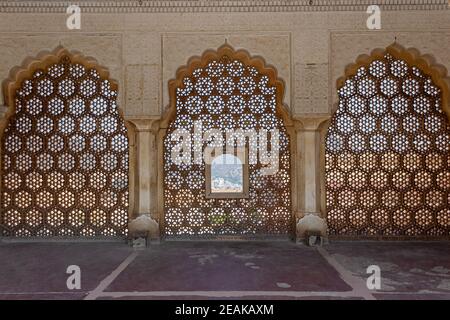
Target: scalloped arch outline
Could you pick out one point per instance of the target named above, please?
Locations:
(43, 61)
(426, 63)
(242, 55)
(281, 110)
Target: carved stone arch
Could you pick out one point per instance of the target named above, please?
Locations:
(226, 50)
(88, 81)
(42, 61)
(425, 62)
(386, 173)
(228, 53)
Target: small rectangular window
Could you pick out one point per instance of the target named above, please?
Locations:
(227, 175)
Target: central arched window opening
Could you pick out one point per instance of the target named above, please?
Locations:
(236, 101)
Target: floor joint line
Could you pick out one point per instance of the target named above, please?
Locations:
(110, 278)
(356, 283)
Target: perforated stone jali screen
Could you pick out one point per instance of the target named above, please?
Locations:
(226, 94)
(65, 157)
(388, 155)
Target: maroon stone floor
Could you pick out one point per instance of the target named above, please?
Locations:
(225, 270)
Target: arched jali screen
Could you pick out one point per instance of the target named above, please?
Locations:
(388, 152)
(227, 90)
(64, 152)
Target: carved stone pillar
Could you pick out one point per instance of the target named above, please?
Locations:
(312, 213)
(145, 174)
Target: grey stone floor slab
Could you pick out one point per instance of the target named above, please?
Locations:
(229, 266)
(416, 267)
(249, 270)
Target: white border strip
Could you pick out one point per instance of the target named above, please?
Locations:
(232, 294)
(109, 279)
(357, 284)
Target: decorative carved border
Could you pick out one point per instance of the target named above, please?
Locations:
(426, 63)
(292, 126)
(199, 6)
(242, 55)
(43, 61)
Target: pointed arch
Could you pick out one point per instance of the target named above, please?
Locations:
(64, 154)
(242, 55)
(387, 146)
(267, 81)
(42, 61)
(425, 62)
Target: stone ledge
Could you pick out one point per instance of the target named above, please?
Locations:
(200, 6)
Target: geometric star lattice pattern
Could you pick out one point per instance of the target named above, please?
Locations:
(226, 94)
(388, 155)
(65, 157)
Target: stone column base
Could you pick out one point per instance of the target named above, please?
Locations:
(312, 230)
(143, 227)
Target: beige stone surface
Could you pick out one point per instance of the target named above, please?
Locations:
(309, 46)
(273, 47)
(105, 48)
(346, 47)
(309, 49)
(142, 90)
